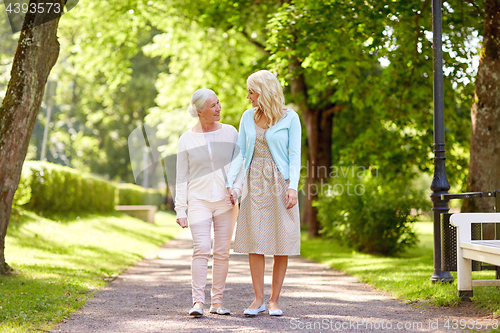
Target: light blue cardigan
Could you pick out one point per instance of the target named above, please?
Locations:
(283, 139)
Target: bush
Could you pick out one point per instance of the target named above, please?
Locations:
(130, 194)
(51, 188)
(46, 187)
(23, 193)
(370, 214)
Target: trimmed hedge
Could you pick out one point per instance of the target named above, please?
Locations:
(47, 187)
(130, 194)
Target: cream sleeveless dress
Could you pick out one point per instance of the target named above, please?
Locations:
(264, 225)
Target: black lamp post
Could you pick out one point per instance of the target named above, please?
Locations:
(440, 183)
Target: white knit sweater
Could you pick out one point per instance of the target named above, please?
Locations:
(201, 172)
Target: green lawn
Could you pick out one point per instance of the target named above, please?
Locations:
(406, 276)
(60, 263)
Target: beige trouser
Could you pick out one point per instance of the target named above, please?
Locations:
(201, 214)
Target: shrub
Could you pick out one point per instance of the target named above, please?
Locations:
(370, 214)
(23, 193)
(51, 188)
(46, 187)
(130, 194)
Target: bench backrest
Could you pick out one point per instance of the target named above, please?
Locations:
(463, 222)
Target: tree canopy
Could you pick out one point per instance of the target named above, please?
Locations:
(368, 64)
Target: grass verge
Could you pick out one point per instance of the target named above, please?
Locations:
(59, 263)
(406, 276)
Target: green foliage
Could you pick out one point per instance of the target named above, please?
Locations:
(130, 194)
(374, 59)
(23, 193)
(58, 189)
(145, 58)
(332, 43)
(371, 59)
(101, 49)
(59, 265)
(106, 85)
(49, 188)
(107, 71)
(369, 213)
(196, 61)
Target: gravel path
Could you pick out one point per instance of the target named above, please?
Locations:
(155, 296)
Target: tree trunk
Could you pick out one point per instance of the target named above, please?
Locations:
(484, 170)
(319, 138)
(36, 54)
(319, 124)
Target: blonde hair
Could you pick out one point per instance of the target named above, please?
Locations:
(271, 99)
(198, 100)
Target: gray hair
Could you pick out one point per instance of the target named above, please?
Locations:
(198, 100)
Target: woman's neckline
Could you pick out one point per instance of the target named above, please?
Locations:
(286, 111)
(207, 132)
(261, 127)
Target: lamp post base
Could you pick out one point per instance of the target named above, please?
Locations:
(441, 276)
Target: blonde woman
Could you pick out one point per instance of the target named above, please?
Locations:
(268, 222)
(203, 157)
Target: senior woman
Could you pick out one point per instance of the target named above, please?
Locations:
(268, 222)
(203, 157)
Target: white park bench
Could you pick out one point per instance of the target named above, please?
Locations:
(487, 251)
(143, 212)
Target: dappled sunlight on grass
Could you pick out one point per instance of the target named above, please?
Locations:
(59, 263)
(406, 276)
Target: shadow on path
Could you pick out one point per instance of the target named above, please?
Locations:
(155, 296)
